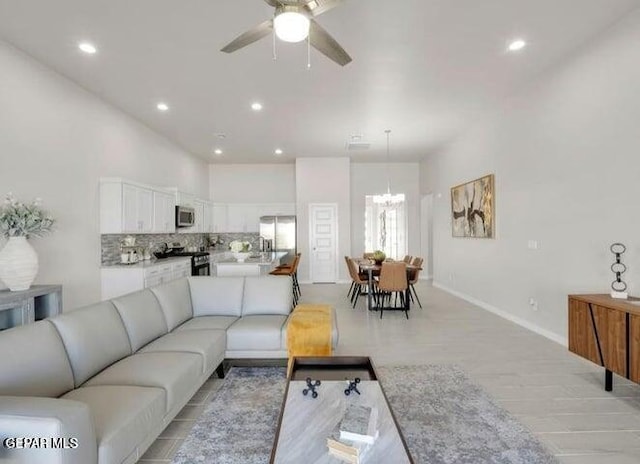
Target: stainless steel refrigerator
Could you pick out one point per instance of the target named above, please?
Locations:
(278, 233)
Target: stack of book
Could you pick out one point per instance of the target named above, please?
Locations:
(354, 434)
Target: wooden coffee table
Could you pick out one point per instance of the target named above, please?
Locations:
(305, 422)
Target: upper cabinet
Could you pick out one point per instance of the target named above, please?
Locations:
(242, 218)
(125, 208)
(219, 218)
(164, 212)
(276, 209)
(130, 208)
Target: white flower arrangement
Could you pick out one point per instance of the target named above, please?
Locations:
(238, 246)
(24, 220)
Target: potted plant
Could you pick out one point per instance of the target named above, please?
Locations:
(18, 222)
(379, 256)
(241, 250)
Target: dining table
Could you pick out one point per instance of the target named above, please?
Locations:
(372, 269)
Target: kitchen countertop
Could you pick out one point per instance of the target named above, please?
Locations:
(266, 259)
(148, 263)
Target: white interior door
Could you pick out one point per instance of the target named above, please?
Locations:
(323, 227)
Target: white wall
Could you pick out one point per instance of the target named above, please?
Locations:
(566, 156)
(56, 141)
(323, 180)
(371, 179)
(252, 183)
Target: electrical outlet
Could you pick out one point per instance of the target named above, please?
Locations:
(533, 303)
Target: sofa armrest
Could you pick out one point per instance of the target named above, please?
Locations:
(51, 430)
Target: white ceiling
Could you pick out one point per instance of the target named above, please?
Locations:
(422, 68)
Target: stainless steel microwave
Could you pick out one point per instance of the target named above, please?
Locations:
(185, 216)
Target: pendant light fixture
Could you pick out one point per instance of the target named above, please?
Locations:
(388, 199)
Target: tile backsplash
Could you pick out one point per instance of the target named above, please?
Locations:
(111, 243)
(220, 242)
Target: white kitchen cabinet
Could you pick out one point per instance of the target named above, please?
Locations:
(219, 218)
(164, 212)
(199, 206)
(243, 217)
(125, 208)
(208, 219)
(120, 280)
(277, 209)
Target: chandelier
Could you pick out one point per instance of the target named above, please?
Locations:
(388, 199)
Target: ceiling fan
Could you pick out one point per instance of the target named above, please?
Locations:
(294, 21)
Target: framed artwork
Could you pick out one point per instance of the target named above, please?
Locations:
(472, 208)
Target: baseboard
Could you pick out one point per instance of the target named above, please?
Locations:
(425, 277)
(505, 315)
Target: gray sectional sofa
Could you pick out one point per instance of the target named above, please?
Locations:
(113, 375)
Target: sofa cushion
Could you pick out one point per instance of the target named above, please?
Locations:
(210, 344)
(267, 295)
(94, 337)
(142, 317)
(176, 373)
(34, 361)
(123, 416)
(260, 332)
(175, 301)
(208, 322)
(216, 296)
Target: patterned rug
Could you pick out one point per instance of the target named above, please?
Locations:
(444, 417)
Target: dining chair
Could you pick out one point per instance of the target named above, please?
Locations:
(413, 279)
(407, 259)
(360, 280)
(353, 282)
(393, 279)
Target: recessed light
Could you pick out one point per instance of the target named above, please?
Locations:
(517, 45)
(87, 47)
(278, 152)
(217, 151)
(162, 106)
(256, 106)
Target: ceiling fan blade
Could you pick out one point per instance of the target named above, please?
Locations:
(317, 7)
(327, 45)
(253, 35)
(273, 3)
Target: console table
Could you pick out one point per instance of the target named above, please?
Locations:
(606, 331)
(26, 306)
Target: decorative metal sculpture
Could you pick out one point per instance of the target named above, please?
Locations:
(311, 387)
(618, 286)
(353, 386)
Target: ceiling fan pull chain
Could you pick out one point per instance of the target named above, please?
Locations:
(309, 51)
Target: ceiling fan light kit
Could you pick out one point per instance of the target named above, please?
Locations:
(291, 26)
(294, 21)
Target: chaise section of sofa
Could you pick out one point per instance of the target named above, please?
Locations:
(114, 374)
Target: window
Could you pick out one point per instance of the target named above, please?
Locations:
(385, 225)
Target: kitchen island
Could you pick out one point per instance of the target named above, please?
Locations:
(223, 264)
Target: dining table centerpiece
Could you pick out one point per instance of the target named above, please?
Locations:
(379, 256)
(18, 222)
(241, 250)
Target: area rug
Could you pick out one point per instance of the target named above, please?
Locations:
(444, 417)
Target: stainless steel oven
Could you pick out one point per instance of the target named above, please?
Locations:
(200, 265)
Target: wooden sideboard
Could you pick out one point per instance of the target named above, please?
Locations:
(606, 331)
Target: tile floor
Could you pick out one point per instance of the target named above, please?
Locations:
(559, 396)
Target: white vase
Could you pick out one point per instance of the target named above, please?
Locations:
(18, 264)
(240, 256)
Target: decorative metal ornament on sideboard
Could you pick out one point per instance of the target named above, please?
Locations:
(618, 286)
